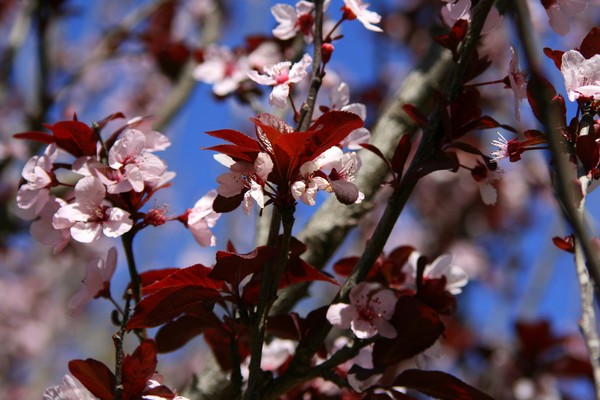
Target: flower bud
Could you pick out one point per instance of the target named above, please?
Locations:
(326, 51)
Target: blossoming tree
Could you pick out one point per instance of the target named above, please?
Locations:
(389, 325)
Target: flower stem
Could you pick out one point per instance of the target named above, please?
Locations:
(136, 283)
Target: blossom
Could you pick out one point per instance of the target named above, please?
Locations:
(222, 69)
(245, 176)
(560, 11)
(153, 140)
(293, 20)
(281, 75)
(456, 277)
(517, 81)
(88, 215)
(461, 9)
(43, 231)
(37, 172)
(96, 283)
(201, 218)
(342, 169)
(339, 98)
(371, 307)
(68, 390)
(356, 9)
(582, 76)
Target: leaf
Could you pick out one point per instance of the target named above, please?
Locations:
(138, 368)
(235, 137)
(401, 154)
(345, 266)
(36, 136)
(196, 275)
(588, 152)
(175, 334)
(223, 204)
(439, 385)
(75, 137)
(417, 326)
(147, 278)
(233, 267)
(590, 45)
(537, 85)
(346, 192)
(95, 376)
(554, 55)
(298, 271)
(378, 153)
(565, 243)
(238, 153)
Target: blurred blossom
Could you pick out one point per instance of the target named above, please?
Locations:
(70, 389)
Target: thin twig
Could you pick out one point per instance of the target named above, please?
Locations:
(118, 341)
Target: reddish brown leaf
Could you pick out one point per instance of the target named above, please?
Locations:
(554, 55)
(196, 275)
(238, 153)
(175, 334)
(417, 327)
(401, 154)
(95, 376)
(439, 385)
(298, 270)
(565, 243)
(149, 277)
(233, 267)
(590, 45)
(226, 204)
(235, 137)
(378, 153)
(36, 136)
(75, 137)
(138, 368)
(345, 266)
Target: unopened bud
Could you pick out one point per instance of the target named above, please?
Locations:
(326, 51)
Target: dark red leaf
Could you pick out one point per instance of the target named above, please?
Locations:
(378, 153)
(554, 55)
(95, 376)
(459, 29)
(588, 152)
(433, 293)
(138, 368)
(167, 304)
(535, 86)
(345, 266)
(590, 45)
(102, 123)
(439, 385)
(233, 267)
(175, 334)
(236, 152)
(298, 270)
(36, 136)
(417, 116)
(75, 137)
(401, 154)
(417, 327)
(196, 275)
(149, 277)
(223, 204)
(235, 137)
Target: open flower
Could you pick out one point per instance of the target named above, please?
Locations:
(356, 9)
(339, 98)
(582, 76)
(201, 218)
(281, 76)
(37, 172)
(371, 307)
(456, 277)
(245, 176)
(88, 216)
(293, 20)
(222, 69)
(96, 283)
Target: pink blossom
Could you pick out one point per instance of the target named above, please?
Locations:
(245, 176)
(456, 277)
(561, 11)
(155, 382)
(332, 171)
(96, 283)
(293, 20)
(281, 76)
(201, 218)
(43, 231)
(68, 390)
(517, 81)
(133, 164)
(37, 172)
(356, 9)
(371, 307)
(339, 98)
(88, 216)
(582, 76)
(452, 11)
(222, 69)
(153, 140)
